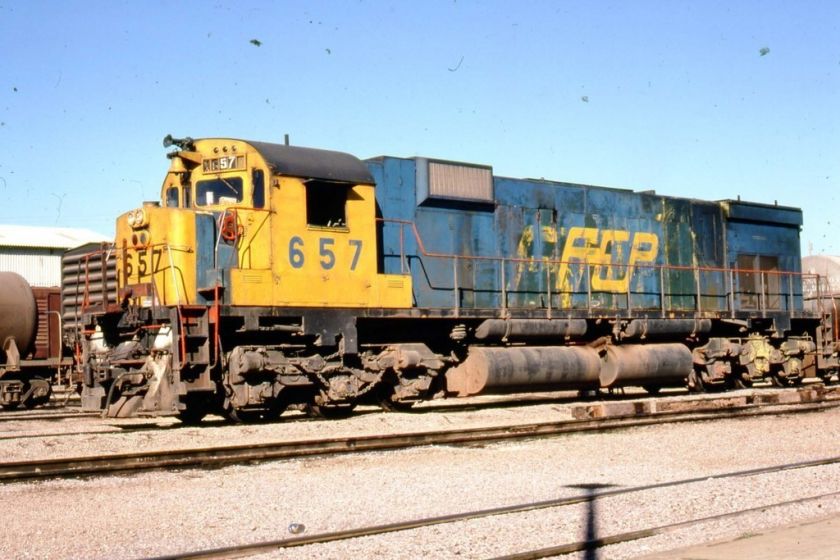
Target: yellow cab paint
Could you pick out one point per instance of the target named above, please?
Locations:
(158, 259)
(267, 256)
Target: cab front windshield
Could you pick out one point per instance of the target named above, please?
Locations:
(220, 190)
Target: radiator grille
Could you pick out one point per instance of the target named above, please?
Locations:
(460, 181)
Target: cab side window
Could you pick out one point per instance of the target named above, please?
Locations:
(258, 184)
(326, 204)
(172, 197)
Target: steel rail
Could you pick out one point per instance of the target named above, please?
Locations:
(323, 538)
(650, 532)
(24, 416)
(239, 454)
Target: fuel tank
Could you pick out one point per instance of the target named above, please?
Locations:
(503, 370)
(18, 314)
(639, 364)
(507, 369)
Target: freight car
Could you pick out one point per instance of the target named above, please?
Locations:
(273, 275)
(821, 290)
(32, 354)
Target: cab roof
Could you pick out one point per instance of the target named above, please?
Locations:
(313, 163)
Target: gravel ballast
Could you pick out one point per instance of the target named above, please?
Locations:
(160, 513)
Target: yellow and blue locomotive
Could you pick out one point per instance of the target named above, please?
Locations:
(273, 275)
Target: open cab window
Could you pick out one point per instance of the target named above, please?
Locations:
(326, 204)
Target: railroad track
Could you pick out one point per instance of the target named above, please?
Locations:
(61, 402)
(594, 544)
(241, 454)
(40, 414)
(249, 549)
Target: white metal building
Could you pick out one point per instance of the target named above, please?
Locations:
(35, 252)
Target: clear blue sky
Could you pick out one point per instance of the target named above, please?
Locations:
(666, 95)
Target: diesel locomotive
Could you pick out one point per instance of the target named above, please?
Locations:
(271, 275)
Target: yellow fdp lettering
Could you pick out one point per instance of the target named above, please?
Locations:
(605, 252)
(645, 247)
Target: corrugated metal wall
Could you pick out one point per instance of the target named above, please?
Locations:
(40, 267)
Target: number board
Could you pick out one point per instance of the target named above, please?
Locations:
(143, 262)
(224, 163)
(326, 253)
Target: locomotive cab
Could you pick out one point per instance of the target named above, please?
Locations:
(231, 271)
(260, 224)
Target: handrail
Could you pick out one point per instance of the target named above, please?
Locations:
(730, 292)
(784, 297)
(426, 253)
(85, 260)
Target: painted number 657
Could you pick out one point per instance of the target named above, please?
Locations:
(326, 254)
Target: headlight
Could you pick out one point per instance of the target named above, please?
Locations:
(137, 218)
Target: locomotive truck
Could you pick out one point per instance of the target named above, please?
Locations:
(270, 275)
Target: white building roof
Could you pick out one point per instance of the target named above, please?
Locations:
(47, 237)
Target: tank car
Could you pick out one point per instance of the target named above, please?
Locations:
(273, 275)
(30, 342)
(821, 290)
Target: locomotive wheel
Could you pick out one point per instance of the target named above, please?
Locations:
(385, 399)
(695, 382)
(780, 381)
(10, 406)
(652, 389)
(193, 415)
(330, 411)
(245, 416)
(396, 406)
(825, 377)
(589, 394)
(273, 412)
(197, 407)
(741, 383)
